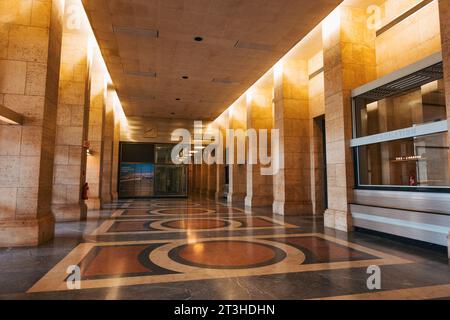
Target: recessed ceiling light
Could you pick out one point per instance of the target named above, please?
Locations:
(172, 113)
(185, 77)
(178, 99)
(198, 39)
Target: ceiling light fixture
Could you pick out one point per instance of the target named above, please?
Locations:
(198, 39)
(185, 77)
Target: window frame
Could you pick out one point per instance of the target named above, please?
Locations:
(422, 130)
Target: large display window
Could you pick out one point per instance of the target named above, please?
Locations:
(401, 136)
(146, 170)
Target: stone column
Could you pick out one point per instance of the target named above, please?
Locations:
(223, 123)
(30, 55)
(237, 187)
(292, 184)
(197, 179)
(116, 154)
(72, 119)
(204, 179)
(444, 13)
(212, 180)
(107, 148)
(349, 61)
(95, 134)
(259, 116)
(191, 175)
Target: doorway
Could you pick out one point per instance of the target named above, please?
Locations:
(319, 161)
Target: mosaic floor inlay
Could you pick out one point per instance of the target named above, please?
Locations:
(189, 247)
(147, 262)
(137, 226)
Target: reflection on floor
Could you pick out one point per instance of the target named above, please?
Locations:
(201, 249)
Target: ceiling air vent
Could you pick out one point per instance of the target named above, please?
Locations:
(152, 33)
(414, 80)
(253, 46)
(223, 81)
(148, 74)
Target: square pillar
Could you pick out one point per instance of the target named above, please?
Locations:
(72, 119)
(107, 148)
(95, 134)
(444, 15)
(223, 123)
(203, 179)
(259, 116)
(197, 178)
(29, 77)
(349, 61)
(292, 183)
(237, 173)
(212, 180)
(115, 163)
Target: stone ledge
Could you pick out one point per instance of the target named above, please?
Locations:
(22, 233)
(69, 212)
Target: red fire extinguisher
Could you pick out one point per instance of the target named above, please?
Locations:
(412, 180)
(85, 192)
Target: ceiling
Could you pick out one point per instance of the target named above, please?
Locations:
(148, 46)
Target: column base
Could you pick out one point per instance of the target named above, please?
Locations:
(105, 200)
(23, 233)
(338, 220)
(258, 201)
(292, 208)
(235, 198)
(93, 204)
(69, 212)
(219, 196)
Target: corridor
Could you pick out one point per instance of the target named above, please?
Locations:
(202, 249)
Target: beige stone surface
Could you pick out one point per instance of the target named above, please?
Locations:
(292, 184)
(107, 149)
(94, 161)
(237, 188)
(259, 116)
(349, 61)
(30, 51)
(444, 15)
(71, 131)
(411, 40)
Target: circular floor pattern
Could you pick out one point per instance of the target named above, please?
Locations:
(227, 255)
(196, 224)
(182, 211)
(176, 204)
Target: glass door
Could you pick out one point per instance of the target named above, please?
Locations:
(170, 180)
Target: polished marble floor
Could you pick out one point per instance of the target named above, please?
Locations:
(202, 249)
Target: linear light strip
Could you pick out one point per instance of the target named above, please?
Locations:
(402, 17)
(421, 130)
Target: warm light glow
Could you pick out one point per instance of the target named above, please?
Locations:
(8, 121)
(332, 23)
(278, 70)
(199, 248)
(249, 95)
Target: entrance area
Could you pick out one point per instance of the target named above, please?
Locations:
(146, 171)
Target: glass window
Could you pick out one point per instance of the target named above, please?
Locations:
(425, 104)
(164, 153)
(413, 162)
